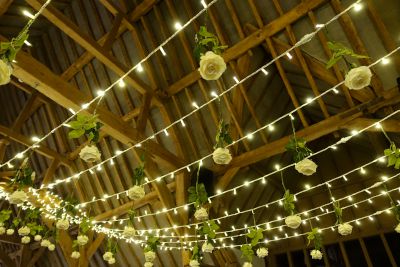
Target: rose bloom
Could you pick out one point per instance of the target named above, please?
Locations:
(136, 192)
(194, 263)
(293, 221)
(201, 214)
(306, 167)
(222, 156)
(212, 66)
(316, 254)
(358, 78)
(5, 72)
(90, 153)
(345, 229)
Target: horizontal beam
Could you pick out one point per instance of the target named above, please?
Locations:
(68, 96)
(391, 125)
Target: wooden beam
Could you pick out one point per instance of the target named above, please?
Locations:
(65, 94)
(25, 256)
(252, 41)
(310, 133)
(31, 105)
(6, 259)
(144, 113)
(36, 256)
(94, 246)
(26, 141)
(390, 125)
(50, 171)
(72, 30)
(4, 5)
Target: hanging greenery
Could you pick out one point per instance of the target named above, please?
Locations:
(315, 236)
(24, 176)
(393, 154)
(67, 206)
(206, 41)
(288, 202)
(209, 229)
(340, 51)
(247, 252)
(85, 125)
(223, 137)
(5, 216)
(255, 235)
(338, 212)
(152, 243)
(138, 175)
(198, 195)
(298, 147)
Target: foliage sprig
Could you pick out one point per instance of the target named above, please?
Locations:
(85, 125)
(338, 212)
(298, 147)
(223, 137)
(23, 176)
(198, 195)
(340, 51)
(152, 243)
(315, 236)
(209, 229)
(393, 154)
(288, 202)
(206, 41)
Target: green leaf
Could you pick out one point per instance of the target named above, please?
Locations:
(314, 236)
(206, 41)
(76, 133)
(209, 229)
(138, 175)
(152, 243)
(298, 147)
(5, 215)
(255, 235)
(288, 202)
(247, 252)
(85, 125)
(223, 137)
(198, 196)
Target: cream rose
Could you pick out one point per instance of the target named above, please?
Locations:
(10, 231)
(75, 255)
(25, 230)
(51, 247)
(262, 252)
(247, 264)
(293, 221)
(25, 240)
(194, 263)
(358, 78)
(306, 167)
(201, 214)
(45, 243)
(5, 72)
(136, 192)
(129, 232)
(62, 224)
(222, 156)
(111, 261)
(82, 240)
(397, 229)
(149, 256)
(90, 153)
(212, 66)
(38, 238)
(316, 254)
(2, 230)
(207, 247)
(148, 264)
(108, 256)
(345, 229)
(17, 197)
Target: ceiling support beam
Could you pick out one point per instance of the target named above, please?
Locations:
(65, 94)
(6, 260)
(252, 41)
(87, 42)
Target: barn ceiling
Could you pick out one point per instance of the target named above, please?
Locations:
(82, 47)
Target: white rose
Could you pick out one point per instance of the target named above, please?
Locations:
(194, 263)
(358, 78)
(25, 240)
(111, 261)
(38, 237)
(247, 264)
(397, 229)
(316, 254)
(207, 247)
(17, 197)
(201, 214)
(108, 256)
(211, 66)
(262, 252)
(82, 240)
(62, 224)
(75, 255)
(293, 221)
(149, 256)
(345, 229)
(148, 264)
(51, 247)
(45, 243)
(10, 231)
(222, 156)
(136, 192)
(129, 232)
(2, 230)
(306, 167)
(25, 230)
(90, 153)
(5, 72)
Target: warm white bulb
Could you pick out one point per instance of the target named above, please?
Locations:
(178, 26)
(357, 7)
(139, 68)
(27, 14)
(121, 83)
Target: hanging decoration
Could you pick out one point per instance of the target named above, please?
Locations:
(67, 206)
(196, 257)
(221, 154)
(129, 230)
(137, 192)
(198, 195)
(292, 220)
(315, 236)
(150, 250)
(208, 230)
(89, 126)
(300, 151)
(207, 51)
(23, 178)
(357, 77)
(109, 255)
